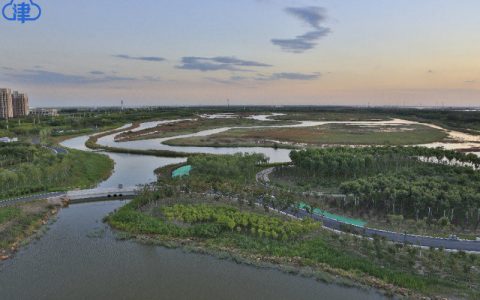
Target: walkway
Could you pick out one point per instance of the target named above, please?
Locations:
(78, 196)
(418, 240)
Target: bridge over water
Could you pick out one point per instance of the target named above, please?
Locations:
(81, 196)
(78, 196)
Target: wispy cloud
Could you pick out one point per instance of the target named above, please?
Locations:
(41, 77)
(141, 58)
(272, 77)
(206, 64)
(312, 16)
(290, 76)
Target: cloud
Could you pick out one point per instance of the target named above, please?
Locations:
(141, 58)
(206, 64)
(301, 43)
(290, 76)
(261, 77)
(97, 73)
(313, 17)
(470, 81)
(42, 77)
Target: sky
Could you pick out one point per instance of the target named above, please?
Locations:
(253, 52)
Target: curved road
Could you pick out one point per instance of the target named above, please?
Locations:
(418, 240)
(424, 241)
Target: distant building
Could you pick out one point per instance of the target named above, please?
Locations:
(6, 105)
(8, 140)
(21, 107)
(44, 112)
(13, 105)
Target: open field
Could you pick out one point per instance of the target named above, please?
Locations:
(465, 121)
(193, 126)
(331, 134)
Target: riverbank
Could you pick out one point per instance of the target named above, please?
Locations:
(21, 223)
(176, 221)
(91, 143)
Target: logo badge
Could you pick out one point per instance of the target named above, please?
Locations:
(21, 11)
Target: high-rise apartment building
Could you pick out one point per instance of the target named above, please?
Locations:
(6, 105)
(13, 105)
(20, 105)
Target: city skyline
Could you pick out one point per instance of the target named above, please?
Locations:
(254, 52)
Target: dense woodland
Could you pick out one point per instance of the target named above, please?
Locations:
(26, 169)
(240, 167)
(414, 182)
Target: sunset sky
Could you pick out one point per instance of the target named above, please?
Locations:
(156, 52)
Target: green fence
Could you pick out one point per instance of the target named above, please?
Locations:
(182, 171)
(342, 219)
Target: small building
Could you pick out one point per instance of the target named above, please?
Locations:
(8, 140)
(44, 112)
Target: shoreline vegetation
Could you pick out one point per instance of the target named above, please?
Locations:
(22, 223)
(91, 143)
(214, 211)
(27, 169)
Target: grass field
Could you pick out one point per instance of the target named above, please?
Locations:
(193, 126)
(331, 134)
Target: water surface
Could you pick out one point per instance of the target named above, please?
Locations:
(79, 258)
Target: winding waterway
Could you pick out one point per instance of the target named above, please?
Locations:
(79, 257)
(459, 140)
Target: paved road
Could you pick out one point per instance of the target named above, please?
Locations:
(262, 176)
(424, 241)
(31, 198)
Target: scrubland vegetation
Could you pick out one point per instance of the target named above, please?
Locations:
(330, 134)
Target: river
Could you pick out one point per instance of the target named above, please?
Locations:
(80, 258)
(459, 140)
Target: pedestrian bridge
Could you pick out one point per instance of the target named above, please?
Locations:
(101, 194)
